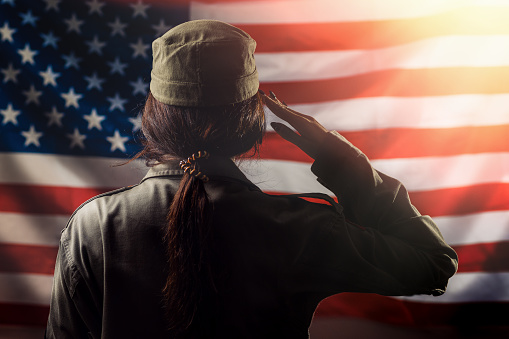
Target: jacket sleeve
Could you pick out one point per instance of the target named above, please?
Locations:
(379, 243)
(74, 312)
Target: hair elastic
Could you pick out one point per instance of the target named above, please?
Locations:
(189, 165)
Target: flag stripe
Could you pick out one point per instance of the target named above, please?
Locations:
(405, 313)
(487, 257)
(462, 200)
(404, 143)
(364, 114)
(403, 83)
(439, 52)
(19, 198)
(63, 170)
(457, 230)
(320, 36)
(474, 228)
(27, 259)
(417, 174)
(471, 287)
(26, 315)
(25, 288)
(42, 230)
(287, 12)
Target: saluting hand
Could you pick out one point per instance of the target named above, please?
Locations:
(310, 134)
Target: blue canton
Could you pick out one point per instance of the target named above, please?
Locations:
(74, 74)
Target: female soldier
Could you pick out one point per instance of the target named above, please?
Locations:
(198, 251)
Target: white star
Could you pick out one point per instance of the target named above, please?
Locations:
(139, 87)
(54, 117)
(49, 76)
(71, 98)
(77, 139)
(52, 4)
(73, 24)
(161, 28)
(117, 27)
(10, 115)
(49, 40)
(28, 19)
(94, 120)
(95, 46)
(117, 141)
(32, 95)
(10, 73)
(95, 7)
(139, 48)
(116, 102)
(32, 136)
(27, 55)
(94, 82)
(139, 9)
(71, 61)
(136, 123)
(7, 32)
(117, 66)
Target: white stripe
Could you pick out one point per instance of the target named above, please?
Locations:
(25, 288)
(307, 11)
(447, 51)
(68, 171)
(417, 174)
(431, 173)
(29, 229)
(425, 112)
(475, 228)
(471, 287)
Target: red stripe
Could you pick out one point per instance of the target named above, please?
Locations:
(448, 201)
(44, 199)
(394, 83)
(462, 200)
(403, 142)
(407, 313)
(384, 33)
(486, 257)
(27, 258)
(26, 315)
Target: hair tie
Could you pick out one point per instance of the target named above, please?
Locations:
(189, 165)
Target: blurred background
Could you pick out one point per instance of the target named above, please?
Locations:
(422, 87)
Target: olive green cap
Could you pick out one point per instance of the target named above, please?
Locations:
(203, 63)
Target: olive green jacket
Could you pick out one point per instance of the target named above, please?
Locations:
(283, 254)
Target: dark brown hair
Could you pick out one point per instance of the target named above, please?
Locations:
(177, 132)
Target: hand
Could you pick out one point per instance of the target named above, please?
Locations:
(311, 132)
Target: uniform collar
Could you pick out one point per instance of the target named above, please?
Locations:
(218, 168)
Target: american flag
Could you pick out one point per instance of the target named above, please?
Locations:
(420, 86)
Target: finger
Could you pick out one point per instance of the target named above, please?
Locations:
(284, 113)
(282, 103)
(289, 135)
